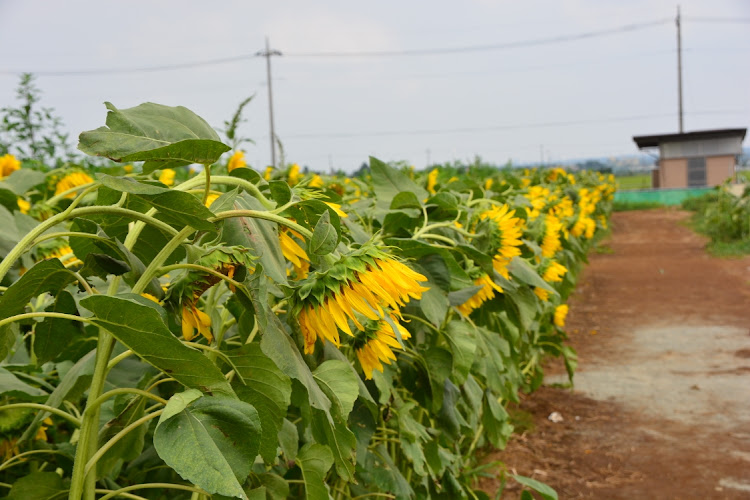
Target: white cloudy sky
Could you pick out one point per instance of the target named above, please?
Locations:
(564, 100)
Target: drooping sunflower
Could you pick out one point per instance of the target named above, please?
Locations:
(267, 174)
(551, 241)
(374, 346)
(365, 285)
(506, 234)
(432, 180)
(489, 287)
(293, 252)
(8, 165)
(23, 205)
(561, 312)
(236, 161)
(73, 179)
(553, 273)
(185, 293)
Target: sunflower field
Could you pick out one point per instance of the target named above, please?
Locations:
(170, 333)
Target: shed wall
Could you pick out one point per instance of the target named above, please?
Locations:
(718, 169)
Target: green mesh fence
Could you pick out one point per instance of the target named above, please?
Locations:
(663, 196)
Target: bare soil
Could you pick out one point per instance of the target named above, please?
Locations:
(661, 403)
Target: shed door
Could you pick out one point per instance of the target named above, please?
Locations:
(696, 172)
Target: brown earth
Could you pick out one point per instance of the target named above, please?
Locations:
(661, 405)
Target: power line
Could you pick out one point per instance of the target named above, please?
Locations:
(411, 52)
(487, 47)
(142, 69)
(389, 133)
(742, 20)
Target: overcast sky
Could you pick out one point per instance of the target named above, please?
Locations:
(562, 100)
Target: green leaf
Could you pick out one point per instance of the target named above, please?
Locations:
(332, 431)
(463, 347)
(434, 304)
(265, 387)
(260, 235)
(324, 238)
(211, 442)
(405, 199)
(182, 209)
(52, 335)
(459, 297)
(139, 326)
(79, 374)
(541, 488)
(22, 180)
(497, 427)
(387, 182)
(46, 276)
(163, 136)
(339, 383)
(8, 199)
(525, 305)
(279, 346)
(280, 192)
(37, 486)
(129, 447)
(522, 271)
(380, 470)
(314, 460)
(132, 186)
(12, 386)
(289, 439)
(341, 386)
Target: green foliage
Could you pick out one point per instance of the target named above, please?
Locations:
(360, 337)
(723, 217)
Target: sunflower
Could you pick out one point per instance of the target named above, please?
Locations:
(488, 183)
(367, 284)
(551, 242)
(374, 346)
(432, 180)
(267, 173)
(293, 252)
(553, 273)
(236, 161)
(23, 205)
(195, 319)
(167, 176)
(316, 182)
(489, 287)
(561, 312)
(337, 208)
(211, 198)
(73, 179)
(293, 176)
(60, 251)
(8, 165)
(506, 233)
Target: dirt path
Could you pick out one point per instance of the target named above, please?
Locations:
(661, 406)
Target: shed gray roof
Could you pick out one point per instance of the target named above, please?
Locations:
(650, 141)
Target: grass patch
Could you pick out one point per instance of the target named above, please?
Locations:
(641, 181)
(624, 206)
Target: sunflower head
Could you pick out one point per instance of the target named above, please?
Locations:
(375, 343)
(367, 284)
(432, 180)
(8, 165)
(237, 160)
(166, 176)
(71, 180)
(561, 312)
(487, 292)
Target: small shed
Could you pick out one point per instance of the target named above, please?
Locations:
(694, 159)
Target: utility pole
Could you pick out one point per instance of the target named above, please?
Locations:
(679, 67)
(267, 54)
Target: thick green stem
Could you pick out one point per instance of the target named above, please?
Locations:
(67, 416)
(82, 486)
(198, 267)
(207, 189)
(70, 191)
